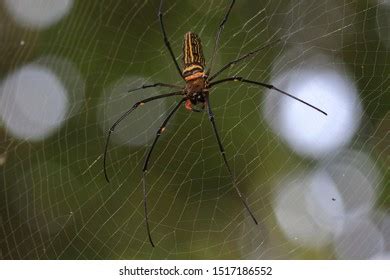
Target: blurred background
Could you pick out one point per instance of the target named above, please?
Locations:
(318, 185)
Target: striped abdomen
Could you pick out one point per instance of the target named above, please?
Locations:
(192, 57)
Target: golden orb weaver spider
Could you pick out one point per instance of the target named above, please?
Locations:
(198, 82)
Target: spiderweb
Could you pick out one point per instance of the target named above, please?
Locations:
(55, 203)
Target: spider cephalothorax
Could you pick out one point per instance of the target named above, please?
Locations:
(195, 93)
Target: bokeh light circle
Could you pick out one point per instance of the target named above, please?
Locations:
(307, 131)
(33, 102)
(295, 220)
(360, 239)
(38, 14)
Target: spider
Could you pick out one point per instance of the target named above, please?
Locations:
(198, 83)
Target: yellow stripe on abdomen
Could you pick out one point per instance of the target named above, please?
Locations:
(193, 67)
(192, 50)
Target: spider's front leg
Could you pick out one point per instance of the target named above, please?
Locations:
(218, 36)
(166, 40)
(269, 86)
(144, 86)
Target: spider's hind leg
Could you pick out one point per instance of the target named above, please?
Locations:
(222, 150)
(125, 115)
(145, 169)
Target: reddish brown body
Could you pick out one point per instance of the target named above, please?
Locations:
(193, 73)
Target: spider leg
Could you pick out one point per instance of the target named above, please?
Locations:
(269, 86)
(145, 169)
(124, 116)
(242, 58)
(222, 150)
(166, 41)
(218, 36)
(154, 85)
